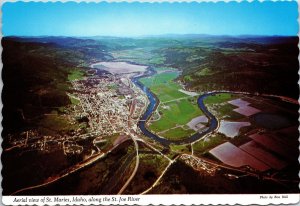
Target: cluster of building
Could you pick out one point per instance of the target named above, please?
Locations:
(32, 140)
(199, 164)
(111, 103)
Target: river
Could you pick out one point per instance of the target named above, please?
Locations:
(213, 122)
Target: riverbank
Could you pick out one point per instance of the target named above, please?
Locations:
(153, 104)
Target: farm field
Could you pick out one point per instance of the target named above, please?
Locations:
(218, 98)
(177, 133)
(273, 144)
(176, 108)
(176, 113)
(139, 55)
(231, 129)
(259, 153)
(243, 107)
(228, 153)
(203, 146)
(220, 106)
(198, 122)
(163, 85)
(253, 128)
(76, 74)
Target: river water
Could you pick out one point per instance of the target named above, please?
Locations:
(213, 122)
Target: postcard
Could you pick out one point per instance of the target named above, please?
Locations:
(118, 103)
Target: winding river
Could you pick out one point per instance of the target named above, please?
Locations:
(213, 122)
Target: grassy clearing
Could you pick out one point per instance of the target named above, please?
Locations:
(113, 86)
(204, 72)
(227, 111)
(177, 133)
(224, 109)
(204, 146)
(74, 100)
(163, 85)
(76, 75)
(218, 98)
(158, 161)
(188, 78)
(139, 55)
(180, 148)
(157, 60)
(158, 79)
(164, 69)
(130, 54)
(176, 113)
(168, 92)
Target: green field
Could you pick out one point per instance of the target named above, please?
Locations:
(224, 109)
(164, 69)
(163, 85)
(204, 72)
(176, 113)
(168, 92)
(176, 108)
(218, 98)
(177, 133)
(158, 79)
(180, 148)
(74, 100)
(139, 55)
(214, 140)
(227, 112)
(76, 74)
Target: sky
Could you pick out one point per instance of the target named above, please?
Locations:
(137, 19)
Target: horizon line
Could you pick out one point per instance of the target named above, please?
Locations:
(157, 35)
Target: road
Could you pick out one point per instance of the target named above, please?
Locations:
(137, 162)
(73, 169)
(178, 99)
(159, 178)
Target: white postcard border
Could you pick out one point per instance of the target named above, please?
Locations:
(260, 199)
(176, 199)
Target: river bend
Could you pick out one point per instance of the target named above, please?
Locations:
(212, 120)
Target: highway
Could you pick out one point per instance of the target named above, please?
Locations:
(71, 170)
(159, 178)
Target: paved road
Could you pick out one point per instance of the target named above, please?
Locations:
(73, 169)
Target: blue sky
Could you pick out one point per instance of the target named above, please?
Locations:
(135, 19)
